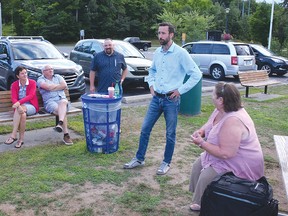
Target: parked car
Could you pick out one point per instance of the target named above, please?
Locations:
(267, 60)
(220, 59)
(137, 64)
(140, 44)
(34, 52)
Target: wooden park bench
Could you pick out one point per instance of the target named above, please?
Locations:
(6, 110)
(281, 143)
(255, 78)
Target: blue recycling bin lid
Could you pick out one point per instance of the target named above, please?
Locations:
(98, 98)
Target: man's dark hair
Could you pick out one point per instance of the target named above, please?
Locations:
(19, 69)
(171, 28)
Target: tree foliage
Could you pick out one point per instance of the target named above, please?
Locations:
(61, 21)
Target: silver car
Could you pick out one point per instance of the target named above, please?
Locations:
(137, 64)
(220, 59)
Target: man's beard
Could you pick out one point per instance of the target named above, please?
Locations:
(108, 51)
(163, 42)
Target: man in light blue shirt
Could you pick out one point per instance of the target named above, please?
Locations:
(170, 65)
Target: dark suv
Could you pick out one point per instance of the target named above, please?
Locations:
(34, 52)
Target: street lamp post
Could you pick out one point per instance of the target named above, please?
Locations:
(243, 7)
(226, 26)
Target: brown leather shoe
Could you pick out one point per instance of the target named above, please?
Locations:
(67, 140)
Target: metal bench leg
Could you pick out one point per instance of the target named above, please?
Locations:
(57, 119)
(265, 89)
(247, 91)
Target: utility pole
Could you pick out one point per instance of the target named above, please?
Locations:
(271, 25)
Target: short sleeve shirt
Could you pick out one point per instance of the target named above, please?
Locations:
(51, 95)
(108, 69)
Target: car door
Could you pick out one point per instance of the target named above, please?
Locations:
(84, 56)
(201, 54)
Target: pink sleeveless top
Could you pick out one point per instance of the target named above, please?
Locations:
(248, 163)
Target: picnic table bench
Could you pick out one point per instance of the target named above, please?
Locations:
(255, 78)
(6, 110)
(281, 143)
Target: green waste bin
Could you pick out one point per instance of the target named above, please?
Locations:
(190, 103)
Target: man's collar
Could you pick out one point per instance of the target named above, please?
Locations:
(171, 48)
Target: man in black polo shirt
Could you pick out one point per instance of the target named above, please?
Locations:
(107, 64)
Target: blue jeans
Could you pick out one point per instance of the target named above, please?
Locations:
(170, 108)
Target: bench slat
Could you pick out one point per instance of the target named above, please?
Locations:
(255, 79)
(6, 111)
(281, 143)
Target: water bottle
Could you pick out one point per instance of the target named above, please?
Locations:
(117, 90)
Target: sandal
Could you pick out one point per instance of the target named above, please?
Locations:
(19, 144)
(10, 140)
(195, 207)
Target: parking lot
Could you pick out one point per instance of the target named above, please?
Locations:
(207, 81)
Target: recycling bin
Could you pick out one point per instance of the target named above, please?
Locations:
(190, 102)
(101, 123)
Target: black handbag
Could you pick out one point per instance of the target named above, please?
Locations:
(228, 195)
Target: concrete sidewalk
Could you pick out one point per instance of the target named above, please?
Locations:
(37, 137)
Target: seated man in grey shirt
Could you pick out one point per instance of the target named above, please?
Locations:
(51, 87)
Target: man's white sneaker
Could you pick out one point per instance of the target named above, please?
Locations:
(133, 163)
(163, 169)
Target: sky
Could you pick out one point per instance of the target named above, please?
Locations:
(270, 1)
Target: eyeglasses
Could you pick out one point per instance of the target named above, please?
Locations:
(48, 69)
(223, 89)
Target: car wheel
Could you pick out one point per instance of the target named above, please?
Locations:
(217, 72)
(145, 47)
(267, 67)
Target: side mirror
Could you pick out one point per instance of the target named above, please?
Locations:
(65, 55)
(3, 56)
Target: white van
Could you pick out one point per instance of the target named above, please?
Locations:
(220, 59)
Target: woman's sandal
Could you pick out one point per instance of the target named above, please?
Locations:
(195, 207)
(19, 144)
(10, 140)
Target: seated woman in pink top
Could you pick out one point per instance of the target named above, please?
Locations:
(25, 103)
(230, 142)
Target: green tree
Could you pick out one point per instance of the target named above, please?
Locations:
(259, 23)
(192, 23)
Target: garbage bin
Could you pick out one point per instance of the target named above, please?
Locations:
(101, 123)
(190, 103)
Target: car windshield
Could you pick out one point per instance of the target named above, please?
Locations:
(34, 51)
(128, 50)
(263, 50)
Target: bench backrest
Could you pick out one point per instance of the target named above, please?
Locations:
(6, 104)
(253, 76)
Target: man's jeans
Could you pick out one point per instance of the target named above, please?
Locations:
(158, 105)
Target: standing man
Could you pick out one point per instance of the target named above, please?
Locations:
(107, 64)
(51, 87)
(170, 65)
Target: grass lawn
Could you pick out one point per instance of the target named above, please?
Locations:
(59, 180)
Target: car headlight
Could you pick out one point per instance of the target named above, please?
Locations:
(79, 70)
(33, 74)
(279, 61)
(130, 68)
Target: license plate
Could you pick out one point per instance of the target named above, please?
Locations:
(248, 63)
